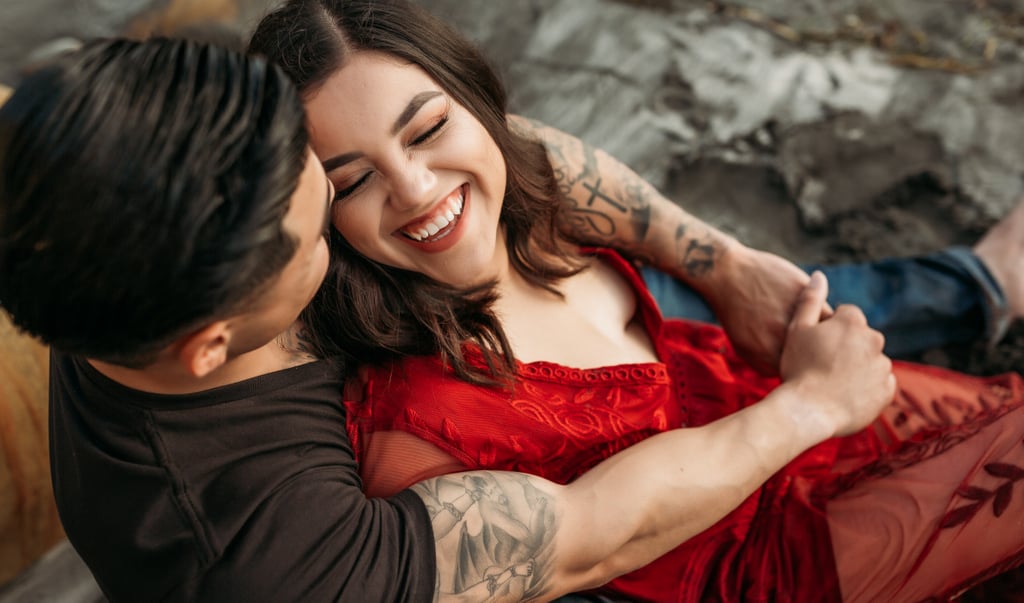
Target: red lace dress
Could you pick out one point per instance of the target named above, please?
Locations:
(925, 503)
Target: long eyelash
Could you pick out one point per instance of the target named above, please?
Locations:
(339, 195)
(429, 133)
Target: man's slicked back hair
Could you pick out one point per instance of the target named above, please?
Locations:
(143, 187)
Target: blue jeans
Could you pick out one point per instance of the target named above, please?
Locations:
(918, 303)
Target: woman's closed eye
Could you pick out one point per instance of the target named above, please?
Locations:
(343, 191)
(429, 134)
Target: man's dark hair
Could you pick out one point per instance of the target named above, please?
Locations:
(142, 191)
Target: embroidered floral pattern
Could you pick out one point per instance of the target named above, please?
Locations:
(1001, 496)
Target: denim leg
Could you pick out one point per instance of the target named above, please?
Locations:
(918, 303)
(675, 298)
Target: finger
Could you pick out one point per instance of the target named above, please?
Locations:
(891, 385)
(880, 340)
(826, 312)
(853, 314)
(811, 301)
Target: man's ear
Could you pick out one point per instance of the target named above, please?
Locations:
(205, 350)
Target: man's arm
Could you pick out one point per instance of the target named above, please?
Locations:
(609, 205)
(647, 499)
(510, 537)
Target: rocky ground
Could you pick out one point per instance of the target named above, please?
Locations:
(822, 130)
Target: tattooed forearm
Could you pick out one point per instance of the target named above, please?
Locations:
(607, 204)
(494, 533)
(698, 259)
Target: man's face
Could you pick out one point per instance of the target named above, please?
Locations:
(307, 221)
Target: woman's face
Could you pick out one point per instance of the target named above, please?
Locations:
(419, 180)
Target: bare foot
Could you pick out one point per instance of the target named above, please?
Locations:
(1002, 250)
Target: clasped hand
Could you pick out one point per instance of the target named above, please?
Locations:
(836, 363)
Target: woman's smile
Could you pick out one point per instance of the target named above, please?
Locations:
(439, 229)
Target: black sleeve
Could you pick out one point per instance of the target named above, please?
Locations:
(318, 539)
(246, 493)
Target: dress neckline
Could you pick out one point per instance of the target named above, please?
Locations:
(629, 373)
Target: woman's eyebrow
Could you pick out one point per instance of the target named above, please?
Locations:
(410, 110)
(407, 114)
(336, 162)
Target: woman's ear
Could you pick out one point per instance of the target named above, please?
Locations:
(205, 350)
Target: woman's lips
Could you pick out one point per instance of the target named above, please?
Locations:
(434, 232)
(434, 227)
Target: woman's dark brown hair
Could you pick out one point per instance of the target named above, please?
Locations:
(374, 312)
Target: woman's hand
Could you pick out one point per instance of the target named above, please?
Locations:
(753, 294)
(836, 365)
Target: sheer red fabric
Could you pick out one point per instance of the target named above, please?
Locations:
(923, 504)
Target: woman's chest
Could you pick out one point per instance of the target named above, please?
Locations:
(595, 323)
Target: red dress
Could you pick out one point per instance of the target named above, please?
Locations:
(889, 499)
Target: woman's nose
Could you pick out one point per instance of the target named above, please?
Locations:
(414, 186)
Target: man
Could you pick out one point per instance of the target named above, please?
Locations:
(161, 228)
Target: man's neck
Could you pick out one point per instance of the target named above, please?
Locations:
(169, 377)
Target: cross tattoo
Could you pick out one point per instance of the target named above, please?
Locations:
(595, 193)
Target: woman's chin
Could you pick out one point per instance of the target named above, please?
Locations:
(465, 277)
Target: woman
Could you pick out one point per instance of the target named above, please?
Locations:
(440, 205)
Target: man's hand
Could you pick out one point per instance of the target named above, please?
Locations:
(753, 294)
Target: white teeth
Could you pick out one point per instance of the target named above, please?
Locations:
(441, 221)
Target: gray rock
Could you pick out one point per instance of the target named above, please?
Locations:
(27, 26)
